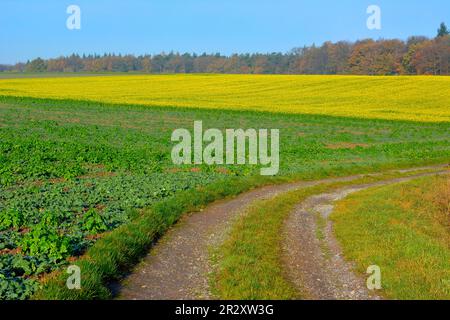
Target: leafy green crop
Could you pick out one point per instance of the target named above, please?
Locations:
(46, 241)
(17, 274)
(11, 219)
(93, 222)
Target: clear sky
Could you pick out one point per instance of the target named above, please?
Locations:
(32, 28)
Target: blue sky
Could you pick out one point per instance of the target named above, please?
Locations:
(32, 28)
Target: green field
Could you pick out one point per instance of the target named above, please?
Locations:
(404, 229)
(72, 171)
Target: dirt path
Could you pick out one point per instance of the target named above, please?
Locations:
(312, 256)
(178, 265)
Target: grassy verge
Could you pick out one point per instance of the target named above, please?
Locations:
(405, 230)
(321, 224)
(248, 264)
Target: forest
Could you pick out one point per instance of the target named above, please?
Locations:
(417, 55)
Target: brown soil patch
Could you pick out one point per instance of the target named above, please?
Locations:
(223, 171)
(10, 251)
(355, 133)
(346, 145)
(101, 174)
(57, 180)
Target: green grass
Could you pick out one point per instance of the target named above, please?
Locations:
(61, 159)
(405, 230)
(321, 224)
(248, 265)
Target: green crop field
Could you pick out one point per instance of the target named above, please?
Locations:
(71, 171)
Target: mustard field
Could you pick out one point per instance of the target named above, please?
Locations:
(424, 99)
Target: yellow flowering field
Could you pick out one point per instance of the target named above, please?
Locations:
(397, 98)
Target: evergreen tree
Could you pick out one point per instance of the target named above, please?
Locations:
(443, 30)
(37, 65)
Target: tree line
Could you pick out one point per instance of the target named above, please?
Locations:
(416, 56)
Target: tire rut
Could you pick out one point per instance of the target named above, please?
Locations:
(315, 264)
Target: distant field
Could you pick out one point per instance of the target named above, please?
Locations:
(396, 98)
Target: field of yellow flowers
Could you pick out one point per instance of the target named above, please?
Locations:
(397, 98)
